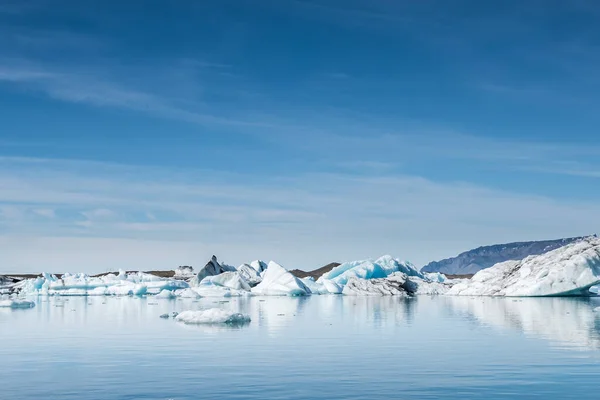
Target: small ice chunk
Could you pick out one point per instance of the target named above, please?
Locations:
(212, 316)
(186, 294)
(16, 304)
(165, 294)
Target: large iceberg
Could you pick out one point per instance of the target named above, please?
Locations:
(212, 316)
(277, 281)
(369, 269)
(568, 271)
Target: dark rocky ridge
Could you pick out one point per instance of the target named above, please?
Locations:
(298, 273)
(472, 261)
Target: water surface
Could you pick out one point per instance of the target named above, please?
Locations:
(325, 347)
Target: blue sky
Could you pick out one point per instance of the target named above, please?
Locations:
(152, 134)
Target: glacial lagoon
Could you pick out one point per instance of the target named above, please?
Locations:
(317, 347)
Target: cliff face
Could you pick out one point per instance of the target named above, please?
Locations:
(480, 258)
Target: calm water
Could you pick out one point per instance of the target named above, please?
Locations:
(325, 347)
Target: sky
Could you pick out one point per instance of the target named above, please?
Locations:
(152, 134)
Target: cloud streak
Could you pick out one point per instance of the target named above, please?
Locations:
(290, 218)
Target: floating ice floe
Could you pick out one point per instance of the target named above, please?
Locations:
(16, 304)
(567, 271)
(165, 294)
(277, 281)
(173, 314)
(212, 316)
(186, 293)
(122, 284)
(226, 284)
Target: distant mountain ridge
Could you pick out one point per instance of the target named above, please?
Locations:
(483, 257)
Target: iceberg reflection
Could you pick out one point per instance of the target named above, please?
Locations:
(566, 322)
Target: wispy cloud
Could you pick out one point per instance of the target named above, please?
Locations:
(81, 87)
(291, 218)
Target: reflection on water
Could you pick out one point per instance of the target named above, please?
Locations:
(334, 347)
(569, 322)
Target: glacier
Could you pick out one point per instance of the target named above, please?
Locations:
(212, 316)
(278, 281)
(568, 270)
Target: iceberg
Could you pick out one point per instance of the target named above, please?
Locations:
(277, 281)
(250, 275)
(210, 269)
(123, 284)
(314, 287)
(165, 294)
(212, 316)
(186, 293)
(259, 266)
(369, 269)
(16, 304)
(396, 284)
(184, 272)
(567, 271)
(232, 280)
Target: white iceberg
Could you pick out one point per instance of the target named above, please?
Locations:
(184, 272)
(277, 281)
(315, 287)
(569, 270)
(259, 266)
(16, 304)
(212, 316)
(165, 294)
(123, 284)
(232, 280)
(186, 293)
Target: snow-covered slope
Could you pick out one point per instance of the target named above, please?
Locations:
(475, 260)
(569, 270)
